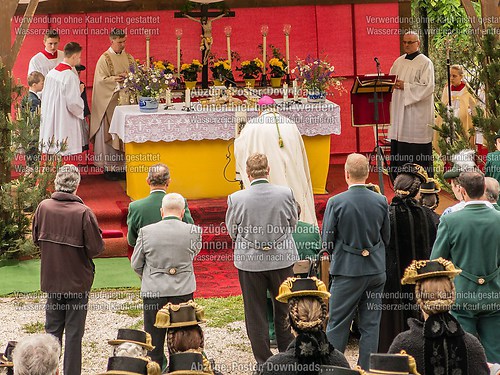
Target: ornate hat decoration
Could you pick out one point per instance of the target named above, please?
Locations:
(430, 187)
(397, 364)
(296, 287)
(416, 170)
(266, 100)
(6, 357)
(334, 370)
(131, 366)
(187, 363)
(423, 269)
(181, 315)
(134, 336)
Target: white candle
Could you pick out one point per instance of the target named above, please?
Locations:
(147, 50)
(264, 50)
(228, 38)
(188, 98)
(285, 92)
(287, 52)
(168, 98)
(178, 56)
(295, 91)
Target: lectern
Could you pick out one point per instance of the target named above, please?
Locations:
(370, 106)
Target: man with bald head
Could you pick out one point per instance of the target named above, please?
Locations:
(163, 258)
(412, 108)
(356, 230)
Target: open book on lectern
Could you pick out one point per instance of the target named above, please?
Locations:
(371, 82)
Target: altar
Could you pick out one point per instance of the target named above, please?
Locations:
(197, 146)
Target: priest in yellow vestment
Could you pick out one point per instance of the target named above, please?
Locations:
(111, 70)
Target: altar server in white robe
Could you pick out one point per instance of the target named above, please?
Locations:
(278, 138)
(412, 107)
(62, 106)
(49, 57)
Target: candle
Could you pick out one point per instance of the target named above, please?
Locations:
(178, 34)
(147, 49)
(286, 30)
(295, 91)
(285, 92)
(188, 98)
(227, 31)
(168, 98)
(264, 30)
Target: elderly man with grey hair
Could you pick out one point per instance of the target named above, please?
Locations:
(37, 355)
(491, 191)
(163, 258)
(68, 235)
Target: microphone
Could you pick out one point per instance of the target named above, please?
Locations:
(376, 60)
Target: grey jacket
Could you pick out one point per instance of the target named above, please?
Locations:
(261, 220)
(163, 257)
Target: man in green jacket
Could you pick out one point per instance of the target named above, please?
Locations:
(471, 240)
(146, 211)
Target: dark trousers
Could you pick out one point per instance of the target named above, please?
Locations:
(68, 315)
(151, 308)
(403, 152)
(254, 287)
(347, 293)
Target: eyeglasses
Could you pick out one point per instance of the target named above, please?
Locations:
(405, 42)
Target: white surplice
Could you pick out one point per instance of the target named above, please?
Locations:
(288, 164)
(412, 109)
(41, 63)
(61, 112)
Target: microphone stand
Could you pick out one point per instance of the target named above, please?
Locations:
(378, 149)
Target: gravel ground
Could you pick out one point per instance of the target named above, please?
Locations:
(110, 310)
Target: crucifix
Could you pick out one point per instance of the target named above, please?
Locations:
(205, 17)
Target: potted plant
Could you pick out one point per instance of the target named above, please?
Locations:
(166, 66)
(317, 77)
(147, 83)
(190, 73)
(278, 70)
(221, 69)
(250, 70)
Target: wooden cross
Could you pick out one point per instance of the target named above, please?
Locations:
(204, 14)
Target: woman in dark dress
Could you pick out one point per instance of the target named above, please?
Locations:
(307, 315)
(413, 232)
(438, 343)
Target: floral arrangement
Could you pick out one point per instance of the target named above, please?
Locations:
(221, 68)
(166, 66)
(278, 67)
(190, 71)
(316, 74)
(148, 81)
(250, 69)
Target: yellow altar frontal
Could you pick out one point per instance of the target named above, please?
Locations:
(196, 155)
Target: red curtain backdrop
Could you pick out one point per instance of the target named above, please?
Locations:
(349, 35)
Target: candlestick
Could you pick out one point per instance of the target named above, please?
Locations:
(227, 31)
(188, 98)
(168, 98)
(178, 34)
(286, 30)
(147, 49)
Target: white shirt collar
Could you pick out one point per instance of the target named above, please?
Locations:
(259, 179)
(486, 203)
(155, 190)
